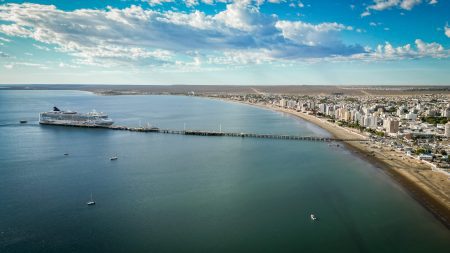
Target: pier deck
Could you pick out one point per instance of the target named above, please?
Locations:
(213, 133)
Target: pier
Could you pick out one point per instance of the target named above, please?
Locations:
(212, 133)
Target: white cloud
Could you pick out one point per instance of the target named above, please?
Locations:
(409, 4)
(158, 2)
(41, 47)
(420, 49)
(447, 31)
(25, 64)
(240, 34)
(5, 39)
(381, 5)
(148, 37)
(366, 13)
(430, 49)
(308, 34)
(191, 3)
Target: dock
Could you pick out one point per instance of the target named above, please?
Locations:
(210, 133)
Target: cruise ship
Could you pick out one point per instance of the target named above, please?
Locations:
(69, 118)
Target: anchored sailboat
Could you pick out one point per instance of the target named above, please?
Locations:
(92, 202)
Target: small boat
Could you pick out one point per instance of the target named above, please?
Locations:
(91, 203)
(313, 217)
(113, 158)
(23, 121)
(66, 153)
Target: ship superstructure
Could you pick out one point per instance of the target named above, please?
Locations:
(58, 117)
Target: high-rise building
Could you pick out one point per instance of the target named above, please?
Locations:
(411, 116)
(322, 108)
(391, 126)
(446, 112)
(291, 104)
(447, 129)
(400, 110)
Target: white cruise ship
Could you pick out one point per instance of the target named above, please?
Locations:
(69, 118)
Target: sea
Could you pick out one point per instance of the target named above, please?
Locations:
(176, 193)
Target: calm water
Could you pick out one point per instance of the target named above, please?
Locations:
(169, 193)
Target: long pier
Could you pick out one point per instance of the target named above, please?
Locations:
(210, 133)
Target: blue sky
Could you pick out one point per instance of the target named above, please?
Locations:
(240, 42)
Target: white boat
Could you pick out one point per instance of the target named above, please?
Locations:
(313, 217)
(113, 158)
(69, 118)
(92, 202)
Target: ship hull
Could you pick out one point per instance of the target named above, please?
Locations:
(69, 118)
(79, 124)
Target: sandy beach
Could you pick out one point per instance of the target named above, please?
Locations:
(429, 188)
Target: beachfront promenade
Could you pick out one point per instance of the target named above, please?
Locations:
(215, 133)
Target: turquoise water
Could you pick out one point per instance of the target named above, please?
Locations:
(170, 193)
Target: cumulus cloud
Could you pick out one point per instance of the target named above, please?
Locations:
(381, 5)
(240, 34)
(191, 3)
(151, 37)
(447, 30)
(419, 49)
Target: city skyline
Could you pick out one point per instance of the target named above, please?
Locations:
(373, 42)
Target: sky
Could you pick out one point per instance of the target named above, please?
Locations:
(225, 42)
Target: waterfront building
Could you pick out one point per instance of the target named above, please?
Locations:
(322, 108)
(329, 110)
(391, 125)
(370, 122)
(291, 104)
(357, 117)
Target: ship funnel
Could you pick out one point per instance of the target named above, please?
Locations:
(55, 109)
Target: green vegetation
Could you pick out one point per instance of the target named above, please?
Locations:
(422, 151)
(351, 100)
(372, 131)
(392, 109)
(434, 120)
(351, 125)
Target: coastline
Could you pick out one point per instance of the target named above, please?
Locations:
(428, 188)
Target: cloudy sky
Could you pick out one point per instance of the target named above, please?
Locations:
(225, 42)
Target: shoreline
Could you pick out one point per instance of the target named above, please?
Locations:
(408, 172)
(412, 175)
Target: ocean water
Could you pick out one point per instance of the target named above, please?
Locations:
(171, 193)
